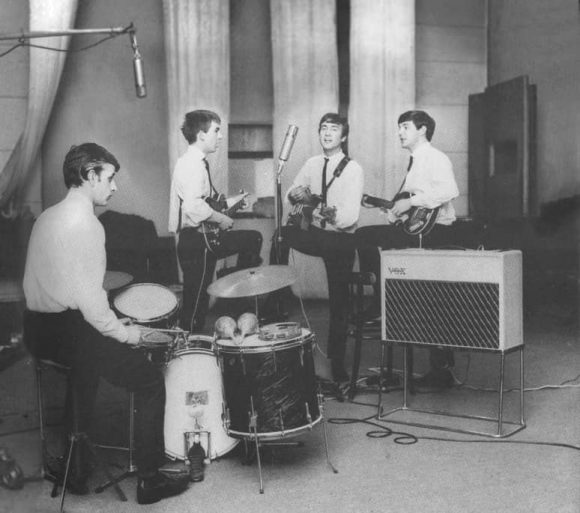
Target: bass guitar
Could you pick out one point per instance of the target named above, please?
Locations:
(219, 203)
(416, 221)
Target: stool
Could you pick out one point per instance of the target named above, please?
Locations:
(75, 436)
(363, 329)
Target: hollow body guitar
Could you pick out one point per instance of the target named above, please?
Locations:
(211, 230)
(417, 221)
(301, 213)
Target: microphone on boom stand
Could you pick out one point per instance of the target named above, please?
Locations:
(282, 158)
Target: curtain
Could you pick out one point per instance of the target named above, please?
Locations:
(382, 86)
(305, 73)
(45, 70)
(197, 49)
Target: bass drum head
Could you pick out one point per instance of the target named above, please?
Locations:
(194, 402)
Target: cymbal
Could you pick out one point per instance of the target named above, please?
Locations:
(253, 281)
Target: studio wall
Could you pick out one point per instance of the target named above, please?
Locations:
(542, 40)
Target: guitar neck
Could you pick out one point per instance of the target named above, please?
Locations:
(373, 201)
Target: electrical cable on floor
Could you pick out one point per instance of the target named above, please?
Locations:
(403, 438)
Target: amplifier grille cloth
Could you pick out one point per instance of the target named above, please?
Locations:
(458, 314)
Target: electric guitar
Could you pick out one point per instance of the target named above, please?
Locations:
(416, 221)
(212, 230)
(301, 213)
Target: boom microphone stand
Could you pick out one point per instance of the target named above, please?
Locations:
(282, 158)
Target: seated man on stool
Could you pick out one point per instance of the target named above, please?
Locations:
(430, 183)
(69, 320)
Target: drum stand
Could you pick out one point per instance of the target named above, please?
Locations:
(131, 468)
(257, 436)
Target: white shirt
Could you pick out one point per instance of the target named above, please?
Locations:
(345, 193)
(432, 182)
(66, 263)
(189, 186)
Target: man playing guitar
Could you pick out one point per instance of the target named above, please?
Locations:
(195, 215)
(430, 184)
(325, 202)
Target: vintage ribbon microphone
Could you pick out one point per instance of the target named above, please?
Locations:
(282, 159)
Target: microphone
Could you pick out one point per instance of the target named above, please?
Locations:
(140, 88)
(288, 142)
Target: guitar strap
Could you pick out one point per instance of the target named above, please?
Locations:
(338, 171)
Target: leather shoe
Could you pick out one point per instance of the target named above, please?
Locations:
(434, 380)
(160, 486)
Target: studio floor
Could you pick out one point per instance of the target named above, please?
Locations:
(381, 466)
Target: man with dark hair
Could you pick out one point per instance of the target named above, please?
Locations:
(430, 183)
(68, 318)
(333, 184)
(192, 213)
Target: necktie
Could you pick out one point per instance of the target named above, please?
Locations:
(410, 163)
(324, 189)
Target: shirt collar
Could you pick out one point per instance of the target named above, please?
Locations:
(421, 148)
(76, 195)
(196, 152)
(337, 157)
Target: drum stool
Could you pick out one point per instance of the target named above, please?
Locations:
(76, 436)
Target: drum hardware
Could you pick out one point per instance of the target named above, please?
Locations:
(194, 402)
(196, 435)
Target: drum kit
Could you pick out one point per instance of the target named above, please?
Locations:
(247, 382)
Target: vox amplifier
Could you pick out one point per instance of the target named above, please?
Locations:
(454, 298)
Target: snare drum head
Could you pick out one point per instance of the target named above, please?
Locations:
(146, 302)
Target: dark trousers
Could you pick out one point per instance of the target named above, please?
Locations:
(198, 265)
(66, 338)
(337, 249)
(371, 240)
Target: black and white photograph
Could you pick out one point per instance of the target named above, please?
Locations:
(280, 256)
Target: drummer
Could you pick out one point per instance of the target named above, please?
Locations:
(68, 318)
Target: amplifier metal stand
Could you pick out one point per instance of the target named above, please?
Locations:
(275, 440)
(499, 421)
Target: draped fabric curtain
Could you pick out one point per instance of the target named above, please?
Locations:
(305, 72)
(45, 70)
(197, 49)
(382, 86)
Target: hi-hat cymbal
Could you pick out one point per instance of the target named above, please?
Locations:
(253, 281)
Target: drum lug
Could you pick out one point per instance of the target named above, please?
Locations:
(281, 421)
(301, 353)
(308, 416)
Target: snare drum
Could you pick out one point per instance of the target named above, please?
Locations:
(272, 377)
(194, 401)
(149, 304)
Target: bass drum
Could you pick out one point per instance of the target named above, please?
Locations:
(194, 403)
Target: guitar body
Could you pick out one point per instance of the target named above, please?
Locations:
(417, 221)
(301, 213)
(211, 231)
